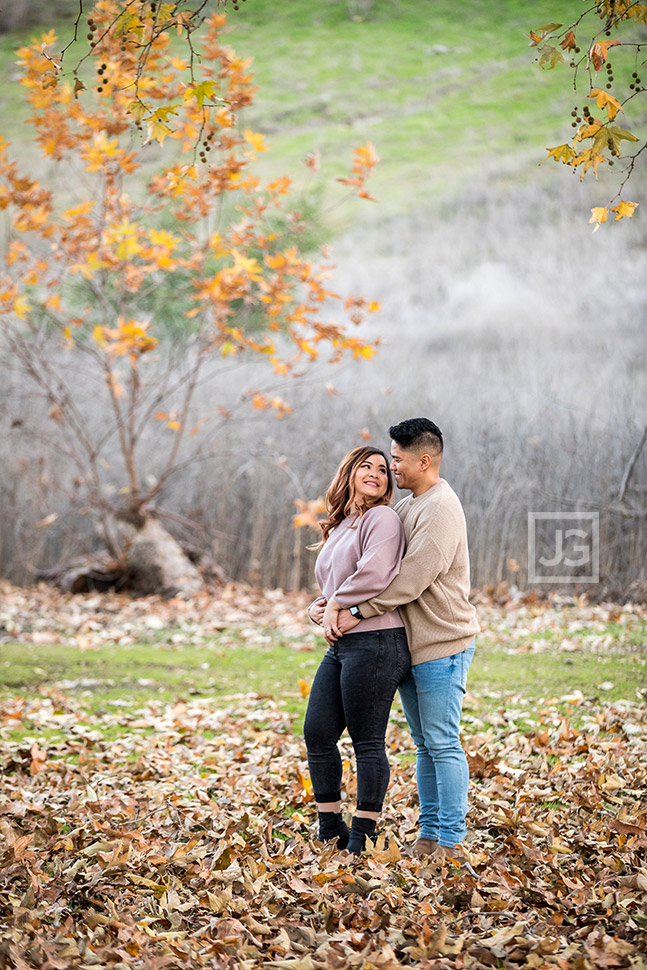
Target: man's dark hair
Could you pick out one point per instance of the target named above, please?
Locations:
(418, 434)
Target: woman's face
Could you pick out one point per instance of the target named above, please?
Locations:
(371, 478)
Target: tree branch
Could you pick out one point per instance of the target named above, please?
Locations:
(631, 464)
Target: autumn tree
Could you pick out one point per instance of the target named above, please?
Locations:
(158, 252)
(604, 49)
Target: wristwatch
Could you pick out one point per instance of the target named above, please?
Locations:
(356, 612)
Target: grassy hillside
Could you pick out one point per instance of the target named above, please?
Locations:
(441, 94)
(443, 91)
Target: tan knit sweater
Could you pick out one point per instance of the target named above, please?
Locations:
(433, 584)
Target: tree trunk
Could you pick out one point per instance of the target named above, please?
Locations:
(156, 562)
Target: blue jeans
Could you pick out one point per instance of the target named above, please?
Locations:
(354, 688)
(432, 698)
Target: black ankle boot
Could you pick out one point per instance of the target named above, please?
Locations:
(332, 825)
(360, 829)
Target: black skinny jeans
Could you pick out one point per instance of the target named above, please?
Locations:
(354, 688)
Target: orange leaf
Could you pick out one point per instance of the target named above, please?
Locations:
(600, 51)
(569, 43)
(260, 402)
(304, 688)
(308, 514)
(38, 759)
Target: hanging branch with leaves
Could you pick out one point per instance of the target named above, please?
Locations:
(600, 138)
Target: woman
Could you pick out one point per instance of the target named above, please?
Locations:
(361, 549)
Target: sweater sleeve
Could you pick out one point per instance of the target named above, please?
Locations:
(422, 564)
(382, 545)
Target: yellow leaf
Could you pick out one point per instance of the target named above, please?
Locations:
(200, 91)
(127, 23)
(598, 215)
(174, 425)
(606, 100)
(102, 149)
(562, 153)
(78, 86)
(256, 140)
(78, 210)
(248, 266)
(138, 109)
(162, 113)
(366, 351)
(162, 237)
(21, 307)
(624, 209)
(157, 131)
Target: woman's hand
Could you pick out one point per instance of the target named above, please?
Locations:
(316, 610)
(329, 623)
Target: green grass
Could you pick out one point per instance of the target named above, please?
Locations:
(102, 683)
(553, 675)
(161, 671)
(442, 91)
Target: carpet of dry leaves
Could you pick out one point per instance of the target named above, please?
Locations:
(191, 845)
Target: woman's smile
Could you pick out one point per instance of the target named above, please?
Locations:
(371, 478)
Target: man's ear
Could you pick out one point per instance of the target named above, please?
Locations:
(425, 462)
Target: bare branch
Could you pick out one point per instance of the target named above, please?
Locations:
(631, 464)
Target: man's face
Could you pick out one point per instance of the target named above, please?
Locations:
(405, 466)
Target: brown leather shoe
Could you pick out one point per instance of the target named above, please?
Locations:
(423, 847)
(451, 855)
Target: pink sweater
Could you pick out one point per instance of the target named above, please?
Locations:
(359, 560)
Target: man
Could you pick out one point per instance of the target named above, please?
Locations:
(432, 590)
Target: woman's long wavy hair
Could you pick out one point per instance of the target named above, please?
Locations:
(340, 497)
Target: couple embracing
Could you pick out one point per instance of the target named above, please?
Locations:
(395, 612)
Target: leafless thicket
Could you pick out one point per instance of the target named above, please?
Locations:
(26, 13)
(504, 318)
